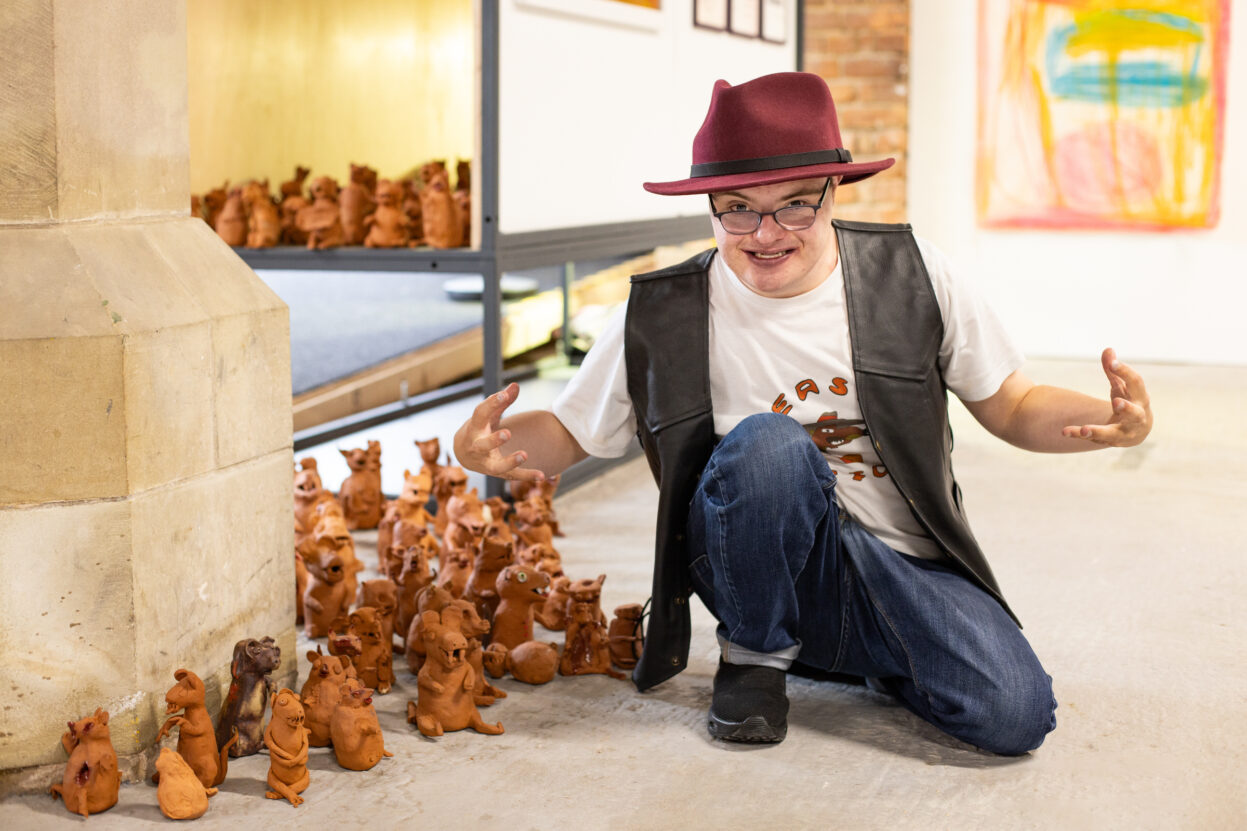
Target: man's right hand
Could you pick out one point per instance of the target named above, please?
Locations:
(479, 441)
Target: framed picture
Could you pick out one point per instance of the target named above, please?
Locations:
(710, 14)
(774, 21)
(745, 18)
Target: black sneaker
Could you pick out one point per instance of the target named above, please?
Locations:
(749, 704)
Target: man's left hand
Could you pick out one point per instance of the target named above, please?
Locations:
(1131, 420)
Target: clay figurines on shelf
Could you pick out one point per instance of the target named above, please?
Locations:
(286, 739)
(321, 221)
(197, 744)
(92, 779)
(248, 695)
(180, 794)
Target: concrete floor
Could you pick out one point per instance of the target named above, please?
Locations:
(1125, 567)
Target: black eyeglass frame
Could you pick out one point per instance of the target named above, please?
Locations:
(773, 214)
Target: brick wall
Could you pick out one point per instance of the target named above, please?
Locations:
(861, 47)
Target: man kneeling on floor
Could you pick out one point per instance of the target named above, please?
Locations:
(789, 390)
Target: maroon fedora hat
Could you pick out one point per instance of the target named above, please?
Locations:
(776, 128)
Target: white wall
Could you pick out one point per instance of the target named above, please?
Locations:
(1176, 296)
(590, 107)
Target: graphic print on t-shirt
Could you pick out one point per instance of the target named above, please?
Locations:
(832, 434)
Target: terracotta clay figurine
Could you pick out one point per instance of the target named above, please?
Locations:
(476, 629)
(382, 595)
(294, 187)
(450, 481)
(408, 507)
(430, 451)
(519, 589)
(626, 635)
(411, 209)
(463, 175)
(180, 794)
(331, 526)
(309, 494)
(197, 744)
(357, 740)
(92, 779)
(321, 692)
(243, 710)
(456, 570)
(492, 556)
(286, 739)
(444, 701)
(586, 649)
(325, 598)
(434, 167)
(532, 662)
(429, 599)
(463, 207)
(300, 586)
(321, 221)
(541, 557)
(231, 222)
(375, 662)
(497, 510)
(413, 578)
(465, 521)
(388, 226)
(213, 203)
(587, 591)
(410, 535)
(554, 615)
(263, 217)
(360, 493)
(355, 203)
(532, 522)
(443, 221)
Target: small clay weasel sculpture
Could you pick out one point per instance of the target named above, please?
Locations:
(428, 599)
(445, 685)
(263, 218)
(360, 493)
(286, 739)
(357, 740)
(382, 595)
(231, 222)
(519, 590)
(321, 692)
(413, 578)
(248, 695)
(450, 480)
(443, 220)
(197, 745)
(465, 521)
(331, 524)
(388, 226)
(356, 202)
(180, 794)
(492, 556)
(375, 662)
(408, 508)
(325, 598)
(532, 662)
(92, 779)
(554, 615)
(627, 635)
(586, 650)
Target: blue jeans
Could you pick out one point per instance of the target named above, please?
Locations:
(788, 574)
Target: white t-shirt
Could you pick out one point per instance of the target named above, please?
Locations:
(792, 355)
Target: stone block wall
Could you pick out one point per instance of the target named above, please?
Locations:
(861, 48)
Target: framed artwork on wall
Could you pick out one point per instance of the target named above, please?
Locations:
(710, 14)
(745, 18)
(774, 21)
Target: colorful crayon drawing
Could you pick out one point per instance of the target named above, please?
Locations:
(1101, 113)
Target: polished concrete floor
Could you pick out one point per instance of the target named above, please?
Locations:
(1126, 567)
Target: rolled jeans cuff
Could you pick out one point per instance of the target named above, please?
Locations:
(733, 654)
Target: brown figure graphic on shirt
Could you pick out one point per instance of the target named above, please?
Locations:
(831, 431)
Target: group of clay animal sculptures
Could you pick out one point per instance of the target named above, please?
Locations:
(334, 708)
(497, 574)
(420, 209)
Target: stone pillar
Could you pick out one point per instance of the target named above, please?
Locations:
(145, 432)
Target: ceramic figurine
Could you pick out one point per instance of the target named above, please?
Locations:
(433, 168)
(443, 222)
(354, 203)
(408, 507)
(589, 592)
(463, 175)
(411, 209)
(444, 700)
(263, 217)
(430, 450)
(388, 226)
(286, 738)
(197, 744)
(532, 662)
(331, 527)
(456, 570)
(321, 692)
(321, 221)
(360, 493)
(293, 201)
(356, 733)
(554, 615)
(541, 557)
(492, 556)
(476, 629)
(231, 222)
(450, 481)
(413, 578)
(429, 599)
(465, 521)
(294, 187)
(180, 793)
(382, 595)
(309, 494)
(532, 521)
(213, 202)
(626, 635)
(326, 598)
(243, 710)
(300, 586)
(92, 779)
(519, 589)
(586, 649)
(463, 209)
(343, 643)
(375, 662)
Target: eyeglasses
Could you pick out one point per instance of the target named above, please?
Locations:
(792, 217)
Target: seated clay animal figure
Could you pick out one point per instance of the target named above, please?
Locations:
(331, 528)
(231, 222)
(321, 221)
(321, 692)
(430, 451)
(382, 595)
(532, 522)
(180, 794)
(325, 598)
(476, 629)
(309, 493)
(197, 745)
(360, 493)
(92, 779)
(375, 662)
(627, 635)
(590, 592)
(519, 590)
(294, 187)
(263, 218)
(492, 556)
(443, 222)
(586, 649)
(429, 599)
(463, 206)
(414, 577)
(450, 480)
(465, 521)
(293, 201)
(243, 711)
(532, 662)
(409, 507)
(286, 739)
(432, 168)
(388, 226)
(554, 615)
(214, 203)
(355, 203)
(411, 210)
(410, 535)
(456, 570)
(444, 700)
(357, 740)
(541, 557)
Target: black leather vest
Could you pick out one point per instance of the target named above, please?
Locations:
(895, 329)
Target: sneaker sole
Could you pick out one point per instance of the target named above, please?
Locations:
(754, 730)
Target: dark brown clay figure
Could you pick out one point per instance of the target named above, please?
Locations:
(388, 226)
(231, 222)
(360, 493)
(248, 695)
(357, 740)
(286, 739)
(444, 701)
(92, 779)
(321, 692)
(627, 635)
(375, 664)
(587, 591)
(263, 217)
(325, 599)
(180, 794)
(443, 221)
(321, 221)
(294, 187)
(532, 662)
(519, 589)
(197, 744)
(411, 209)
(586, 649)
